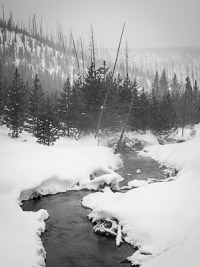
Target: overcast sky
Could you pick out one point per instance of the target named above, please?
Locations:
(149, 23)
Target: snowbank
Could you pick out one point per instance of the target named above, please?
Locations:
(29, 167)
(161, 219)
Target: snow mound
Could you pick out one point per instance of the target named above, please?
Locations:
(161, 219)
(30, 170)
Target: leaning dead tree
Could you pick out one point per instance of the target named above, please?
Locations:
(107, 93)
(93, 60)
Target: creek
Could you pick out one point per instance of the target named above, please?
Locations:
(69, 239)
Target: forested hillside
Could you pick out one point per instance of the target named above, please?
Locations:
(57, 86)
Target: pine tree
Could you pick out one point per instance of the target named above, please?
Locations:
(143, 110)
(15, 109)
(134, 116)
(175, 87)
(155, 84)
(196, 103)
(79, 103)
(168, 117)
(48, 128)
(154, 113)
(113, 115)
(163, 84)
(189, 102)
(93, 97)
(66, 108)
(36, 102)
(2, 94)
(176, 96)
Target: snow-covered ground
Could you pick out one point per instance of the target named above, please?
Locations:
(162, 219)
(26, 166)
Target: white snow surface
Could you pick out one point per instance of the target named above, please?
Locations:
(26, 166)
(161, 219)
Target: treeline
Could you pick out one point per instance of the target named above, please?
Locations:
(77, 107)
(34, 30)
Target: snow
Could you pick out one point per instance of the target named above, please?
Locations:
(161, 219)
(28, 167)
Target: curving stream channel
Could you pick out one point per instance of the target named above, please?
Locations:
(69, 239)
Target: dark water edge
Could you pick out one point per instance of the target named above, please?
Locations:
(69, 239)
(132, 162)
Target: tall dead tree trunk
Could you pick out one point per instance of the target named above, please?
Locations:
(92, 47)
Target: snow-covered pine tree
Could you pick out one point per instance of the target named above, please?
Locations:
(35, 106)
(15, 108)
(48, 128)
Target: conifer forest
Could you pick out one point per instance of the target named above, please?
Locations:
(57, 86)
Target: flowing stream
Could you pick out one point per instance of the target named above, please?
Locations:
(69, 239)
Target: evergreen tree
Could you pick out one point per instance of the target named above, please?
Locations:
(48, 128)
(36, 102)
(175, 86)
(189, 102)
(135, 114)
(66, 108)
(155, 84)
(2, 95)
(163, 84)
(168, 118)
(126, 95)
(176, 96)
(78, 103)
(143, 110)
(113, 116)
(15, 109)
(196, 103)
(154, 113)
(93, 97)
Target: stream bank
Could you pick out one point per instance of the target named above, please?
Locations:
(69, 239)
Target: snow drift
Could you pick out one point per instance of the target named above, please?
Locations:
(161, 219)
(28, 168)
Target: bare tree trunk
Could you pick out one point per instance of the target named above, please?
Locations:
(93, 47)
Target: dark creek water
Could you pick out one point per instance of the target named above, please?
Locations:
(69, 239)
(149, 168)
